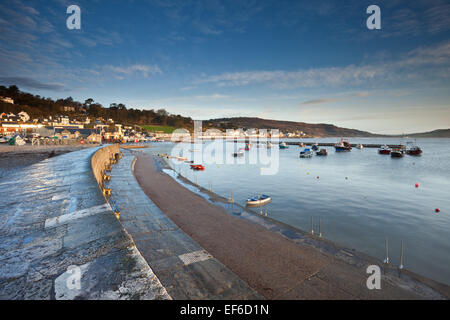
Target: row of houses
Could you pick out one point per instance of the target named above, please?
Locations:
(61, 127)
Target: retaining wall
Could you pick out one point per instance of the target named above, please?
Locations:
(100, 159)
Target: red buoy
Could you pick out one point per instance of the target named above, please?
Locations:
(437, 210)
(417, 185)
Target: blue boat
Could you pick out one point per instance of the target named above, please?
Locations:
(307, 153)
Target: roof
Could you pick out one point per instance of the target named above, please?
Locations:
(83, 132)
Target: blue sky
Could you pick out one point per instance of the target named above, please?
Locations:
(310, 61)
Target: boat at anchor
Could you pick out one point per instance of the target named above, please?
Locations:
(343, 145)
(258, 201)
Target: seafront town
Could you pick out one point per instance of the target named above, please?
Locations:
(20, 129)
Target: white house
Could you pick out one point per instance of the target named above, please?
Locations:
(24, 116)
(7, 100)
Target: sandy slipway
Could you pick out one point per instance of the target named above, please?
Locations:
(54, 217)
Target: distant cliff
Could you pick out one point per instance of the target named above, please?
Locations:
(439, 133)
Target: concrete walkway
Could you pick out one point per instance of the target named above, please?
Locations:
(56, 225)
(183, 267)
(279, 264)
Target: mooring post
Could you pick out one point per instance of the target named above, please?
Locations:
(400, 267)
(260, 210)
(266, 210)
(210, 187)
(312, 226)
(320, 228)
(386, 261)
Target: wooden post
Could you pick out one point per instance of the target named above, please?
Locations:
(312, 226)
(386, 243)
(320, 228)
(401, 256)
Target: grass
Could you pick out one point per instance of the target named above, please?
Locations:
(153, 128)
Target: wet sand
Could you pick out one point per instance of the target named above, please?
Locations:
(275, 266)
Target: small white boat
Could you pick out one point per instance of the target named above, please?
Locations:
(359, 146)
(240, 153)
(259, 201)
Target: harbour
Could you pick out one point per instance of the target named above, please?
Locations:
(359, 191)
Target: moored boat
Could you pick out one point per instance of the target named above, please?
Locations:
(414, 151)
(315, 147)
(343, 145)
(197, 167)
(397, 153)
(240, 153)
(322, 152)
(306, 153)
(258, 201)
(359, 146)
(247, 147)
(283, 145)
(384, 150)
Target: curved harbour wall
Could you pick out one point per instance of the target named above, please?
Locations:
(101, 159)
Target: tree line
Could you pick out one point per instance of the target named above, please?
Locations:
(41, 107)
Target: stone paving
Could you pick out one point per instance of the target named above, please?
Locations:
(55, 225)
(183, 267)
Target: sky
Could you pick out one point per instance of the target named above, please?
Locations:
(308, 61)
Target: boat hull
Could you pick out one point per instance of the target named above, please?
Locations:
(258, 203)
(414, 152)
(342, 149)
(396, 154)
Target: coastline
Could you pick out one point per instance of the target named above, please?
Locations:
(278, 261)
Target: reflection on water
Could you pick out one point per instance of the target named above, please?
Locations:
(361, 197)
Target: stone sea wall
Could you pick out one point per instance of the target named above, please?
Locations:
(101, 159)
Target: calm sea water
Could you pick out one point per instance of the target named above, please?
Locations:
(360, 196)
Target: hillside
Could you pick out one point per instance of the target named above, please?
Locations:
(41, 107)
(317, 130)
(439, 133)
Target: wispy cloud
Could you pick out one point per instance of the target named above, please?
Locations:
(432, 62)
(31, 83)
(144, 70)
(335, 99)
